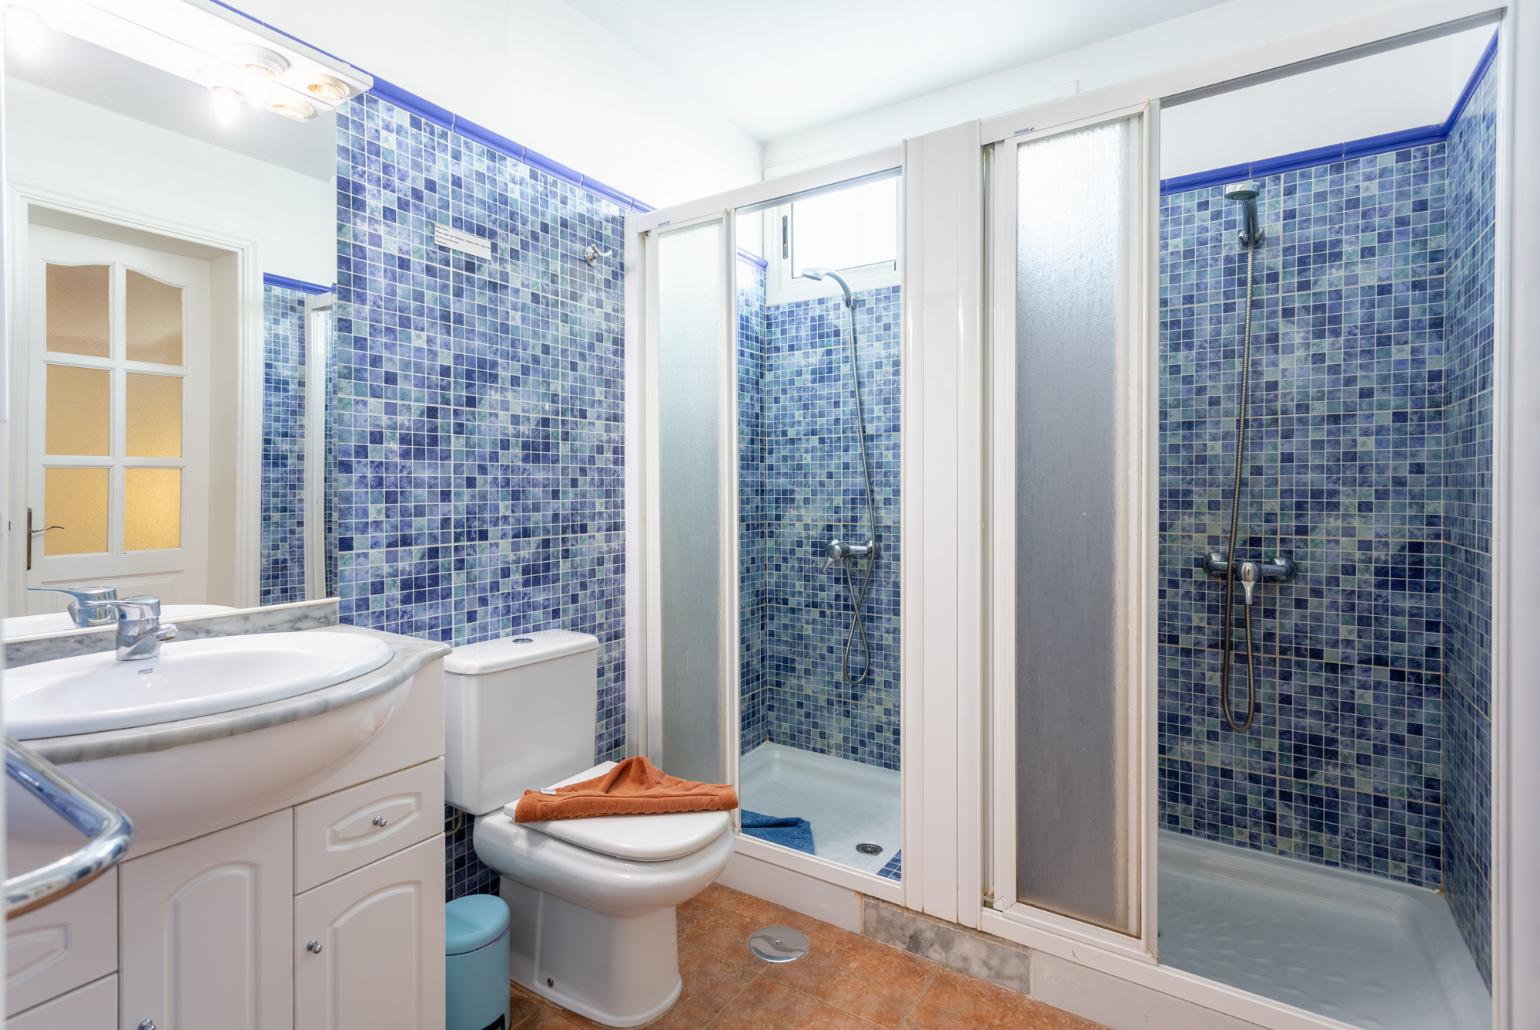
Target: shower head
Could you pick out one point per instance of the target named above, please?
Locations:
(819, 274)
(1246, 193)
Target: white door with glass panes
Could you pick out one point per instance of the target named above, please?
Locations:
(118, 420)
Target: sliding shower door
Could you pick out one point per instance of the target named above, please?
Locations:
(690, 410)
(1070, 520)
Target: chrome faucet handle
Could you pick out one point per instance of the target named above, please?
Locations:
(140, 631)
(1250, 573)
(88, 606)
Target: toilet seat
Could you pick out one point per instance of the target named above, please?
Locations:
(634, 838)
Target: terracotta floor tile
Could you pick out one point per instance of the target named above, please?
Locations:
(720, 933)
(953, 1001)
(709, 986)
(768, 1006)
(766, 912)
(874, 981)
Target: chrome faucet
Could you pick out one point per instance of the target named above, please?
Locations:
(139, 628)
(87, 607)
(839, 552)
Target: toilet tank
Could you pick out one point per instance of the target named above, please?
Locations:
(518, 713)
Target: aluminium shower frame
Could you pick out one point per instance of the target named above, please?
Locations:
(645, 688)
(1516, 499)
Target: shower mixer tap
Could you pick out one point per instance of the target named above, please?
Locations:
(839, 551)
(1217, 565)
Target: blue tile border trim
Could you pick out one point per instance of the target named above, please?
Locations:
(1368, 145)
(445, 118)
(1463, 100)
(284, 282)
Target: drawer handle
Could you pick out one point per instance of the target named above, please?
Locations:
(313, 946)
(381, 821)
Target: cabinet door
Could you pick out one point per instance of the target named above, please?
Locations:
(204, 931)
(369, 946)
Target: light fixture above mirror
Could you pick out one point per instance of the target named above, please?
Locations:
(241, 62)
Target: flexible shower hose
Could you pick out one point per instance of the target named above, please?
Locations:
(857, 593)
(1235, 518)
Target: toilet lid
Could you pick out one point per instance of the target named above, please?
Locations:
(636, 838)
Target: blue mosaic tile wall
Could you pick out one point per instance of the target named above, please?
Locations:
(281, 569)
(754, 536)
(801, 485)
(478, 407)
(1342, 766)
(1466, 551)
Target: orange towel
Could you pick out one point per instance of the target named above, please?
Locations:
(633, 787)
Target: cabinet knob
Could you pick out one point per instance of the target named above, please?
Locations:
(380, 820)
(147, 1024)
(313, 946)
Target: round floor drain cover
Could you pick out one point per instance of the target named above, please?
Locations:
(778, 943)
(869, 849)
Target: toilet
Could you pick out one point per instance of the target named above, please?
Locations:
(592, 900)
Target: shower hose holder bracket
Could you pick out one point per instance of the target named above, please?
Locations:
(1279, 568)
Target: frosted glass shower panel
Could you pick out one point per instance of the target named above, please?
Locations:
(692, 344)
(1075, 230)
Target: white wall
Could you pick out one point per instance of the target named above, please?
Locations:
(1405, 88)
(543, 75)
(69, 145)
(1232, 28)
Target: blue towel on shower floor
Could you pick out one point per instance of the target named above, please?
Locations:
(786, 830)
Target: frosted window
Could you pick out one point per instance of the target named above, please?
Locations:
(76, 303)
(152, 509)
(153, 416)
(153, 323)
(1073, 230)
(78, 408)
(846, 228)
(76, 500)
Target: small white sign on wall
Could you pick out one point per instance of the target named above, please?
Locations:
(464, 242)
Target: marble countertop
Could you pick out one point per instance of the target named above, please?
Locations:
(411, 655)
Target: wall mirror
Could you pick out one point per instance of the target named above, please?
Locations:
(171, 252)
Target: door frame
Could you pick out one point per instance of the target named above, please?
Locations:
(23, 194)
(1137, 531)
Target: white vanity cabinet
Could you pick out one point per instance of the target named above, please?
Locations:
(327, 913)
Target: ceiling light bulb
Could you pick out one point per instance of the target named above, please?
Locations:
(226, 103)
(328, 90)
(24, 29)
(298, 110)
(260, 69)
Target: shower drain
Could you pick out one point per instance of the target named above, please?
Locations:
(778, 943)
(869, 849)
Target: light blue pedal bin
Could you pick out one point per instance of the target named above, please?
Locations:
(476, 963)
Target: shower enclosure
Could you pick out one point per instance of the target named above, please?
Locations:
(778, 514)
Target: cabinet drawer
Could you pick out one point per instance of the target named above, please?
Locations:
(93, 1007)
(351, 828)
(62, 945)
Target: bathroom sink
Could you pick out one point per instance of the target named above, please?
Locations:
(96, 692)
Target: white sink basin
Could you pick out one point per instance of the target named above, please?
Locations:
(96, 692)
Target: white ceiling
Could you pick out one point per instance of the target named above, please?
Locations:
(775, 69)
